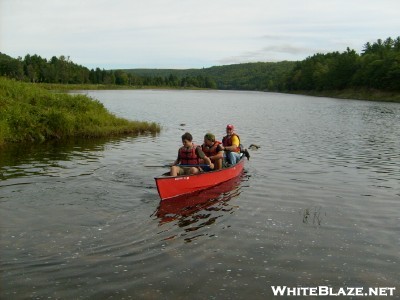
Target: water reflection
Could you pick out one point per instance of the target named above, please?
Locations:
(199, 210)
(52, 159)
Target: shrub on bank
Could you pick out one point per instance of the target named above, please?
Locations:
(31, 113)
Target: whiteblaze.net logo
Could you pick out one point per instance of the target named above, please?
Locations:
(329, 291)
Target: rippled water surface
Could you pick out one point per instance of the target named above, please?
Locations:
(318, 203)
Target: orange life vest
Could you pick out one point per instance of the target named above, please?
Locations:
(188, 156)
(210, 151)
(227, 141)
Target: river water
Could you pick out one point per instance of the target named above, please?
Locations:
(317, 205)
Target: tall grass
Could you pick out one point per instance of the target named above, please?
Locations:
(31, 113)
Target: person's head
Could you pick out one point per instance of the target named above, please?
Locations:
(187, 139)
(229, 129)
(209, 139)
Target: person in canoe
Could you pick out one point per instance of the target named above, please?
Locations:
(231, 145)
(213, 150)
(189, 156)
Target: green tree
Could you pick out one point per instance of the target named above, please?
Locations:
(121, 78)
(11, 67)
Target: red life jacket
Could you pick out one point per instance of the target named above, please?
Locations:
(188, 156)
(210, 151)
(227, 141)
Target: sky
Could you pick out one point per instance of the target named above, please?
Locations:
(182, 34)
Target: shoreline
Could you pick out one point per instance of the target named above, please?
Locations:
(58, 87)
(350, 94)
(353, 94)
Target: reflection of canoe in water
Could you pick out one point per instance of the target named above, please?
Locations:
(186, 205)
(169, 187)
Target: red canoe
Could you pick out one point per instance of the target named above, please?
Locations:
(170, 187)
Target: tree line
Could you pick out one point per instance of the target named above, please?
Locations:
(33, 68)
(260, 76)
(377, 67)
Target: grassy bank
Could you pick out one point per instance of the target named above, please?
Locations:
(31, 113)
(360, 94)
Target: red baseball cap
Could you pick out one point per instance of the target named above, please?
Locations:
(230, 126)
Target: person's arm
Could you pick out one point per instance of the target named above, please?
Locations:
(174, 169)
(177, 160)
(206, 159)
(220, 153)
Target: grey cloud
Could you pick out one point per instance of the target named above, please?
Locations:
(272, 53)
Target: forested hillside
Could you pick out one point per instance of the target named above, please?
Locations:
(251, 76)
(260, 76)
(377, 67)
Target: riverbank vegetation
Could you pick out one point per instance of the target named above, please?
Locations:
(31, 113)
(378, 67)
(374, 74)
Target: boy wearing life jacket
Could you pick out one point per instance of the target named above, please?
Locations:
(189, 154)
(213, 150)
(231, 143)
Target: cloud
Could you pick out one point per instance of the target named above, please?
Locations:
(271, 53)
(190, 33)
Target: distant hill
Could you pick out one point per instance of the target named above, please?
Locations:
(261, 76)
(162, 72)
